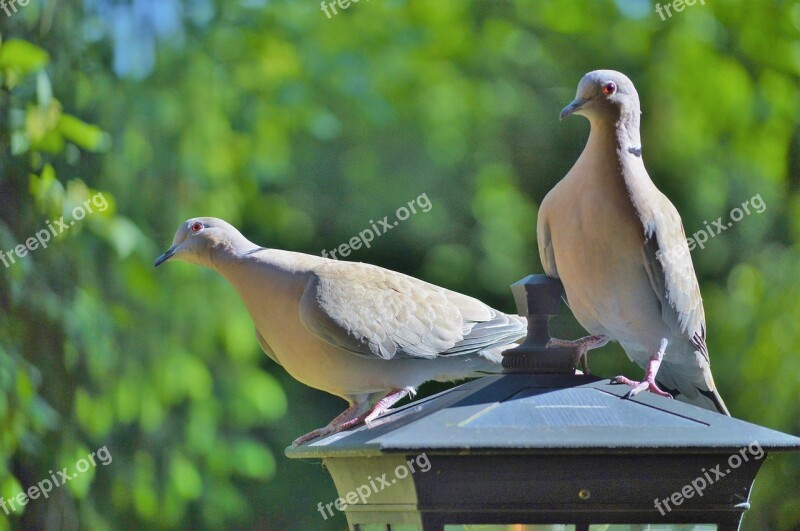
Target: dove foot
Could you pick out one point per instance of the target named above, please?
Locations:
(582, 346)
(388, 401)
(356, 414)
(649, 381)
(638, 387)
(351, 416)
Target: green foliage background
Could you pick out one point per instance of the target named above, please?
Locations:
(301, 129)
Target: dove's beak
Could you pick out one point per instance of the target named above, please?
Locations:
(574, 106)
(164, 257)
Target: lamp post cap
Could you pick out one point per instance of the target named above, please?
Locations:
(537, 295)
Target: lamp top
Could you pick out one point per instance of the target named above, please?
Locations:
(547, 413)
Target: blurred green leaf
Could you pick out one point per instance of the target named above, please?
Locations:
(84, 135)
(19, 57)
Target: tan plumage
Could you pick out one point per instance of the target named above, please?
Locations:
(618, 245)
(358, 331)
(371, 311)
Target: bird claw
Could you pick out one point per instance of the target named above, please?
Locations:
(334, 427)
(582, 346)
(582, 360)
(638, 387)
(552, 343)
(316, 434)
(354, 416)
(350, 417)
(386, 402)
(621, 380)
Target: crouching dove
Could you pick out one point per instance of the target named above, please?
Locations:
(618, 245)
(358, 331)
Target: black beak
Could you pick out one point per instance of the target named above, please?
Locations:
(570, 109)
(164, 257)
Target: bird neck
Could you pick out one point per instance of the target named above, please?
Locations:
(619, 132)
(224, 254)
(627, 133)
(252, 255)
(614, 143)
(618, 141)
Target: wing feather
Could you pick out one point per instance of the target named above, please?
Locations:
(669, 267)
(374, 312)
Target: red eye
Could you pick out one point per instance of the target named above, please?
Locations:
(609, 88)
(197, 226)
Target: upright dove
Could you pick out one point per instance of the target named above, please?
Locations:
(358, 331)
(618, 245)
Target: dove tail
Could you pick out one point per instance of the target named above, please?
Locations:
(710, 400)
(717, 400)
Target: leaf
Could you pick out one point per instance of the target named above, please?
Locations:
(19, 57)
(10, 487)
(251, 459)
(185, 478)
(47, 190)
(85, 135)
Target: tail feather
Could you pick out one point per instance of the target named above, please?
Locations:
(713, 395)
(710, 400)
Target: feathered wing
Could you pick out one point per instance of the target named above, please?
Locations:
(377, 313)
(266, 348)
(546, 254)
(668, 263)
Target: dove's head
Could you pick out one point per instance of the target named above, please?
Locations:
(199, 240)
(604, 94)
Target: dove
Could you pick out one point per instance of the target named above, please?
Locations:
(618, 245)
(367, 334)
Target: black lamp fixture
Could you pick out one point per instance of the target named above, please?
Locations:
(541, 447)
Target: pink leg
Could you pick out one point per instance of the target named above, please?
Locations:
(350, 417)
(649, 382)
(582, 346)
(356, 414)
(388, 401)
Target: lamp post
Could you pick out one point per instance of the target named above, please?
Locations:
(541, 445)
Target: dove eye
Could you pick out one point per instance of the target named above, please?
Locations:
(197, 226)
(609, 88)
